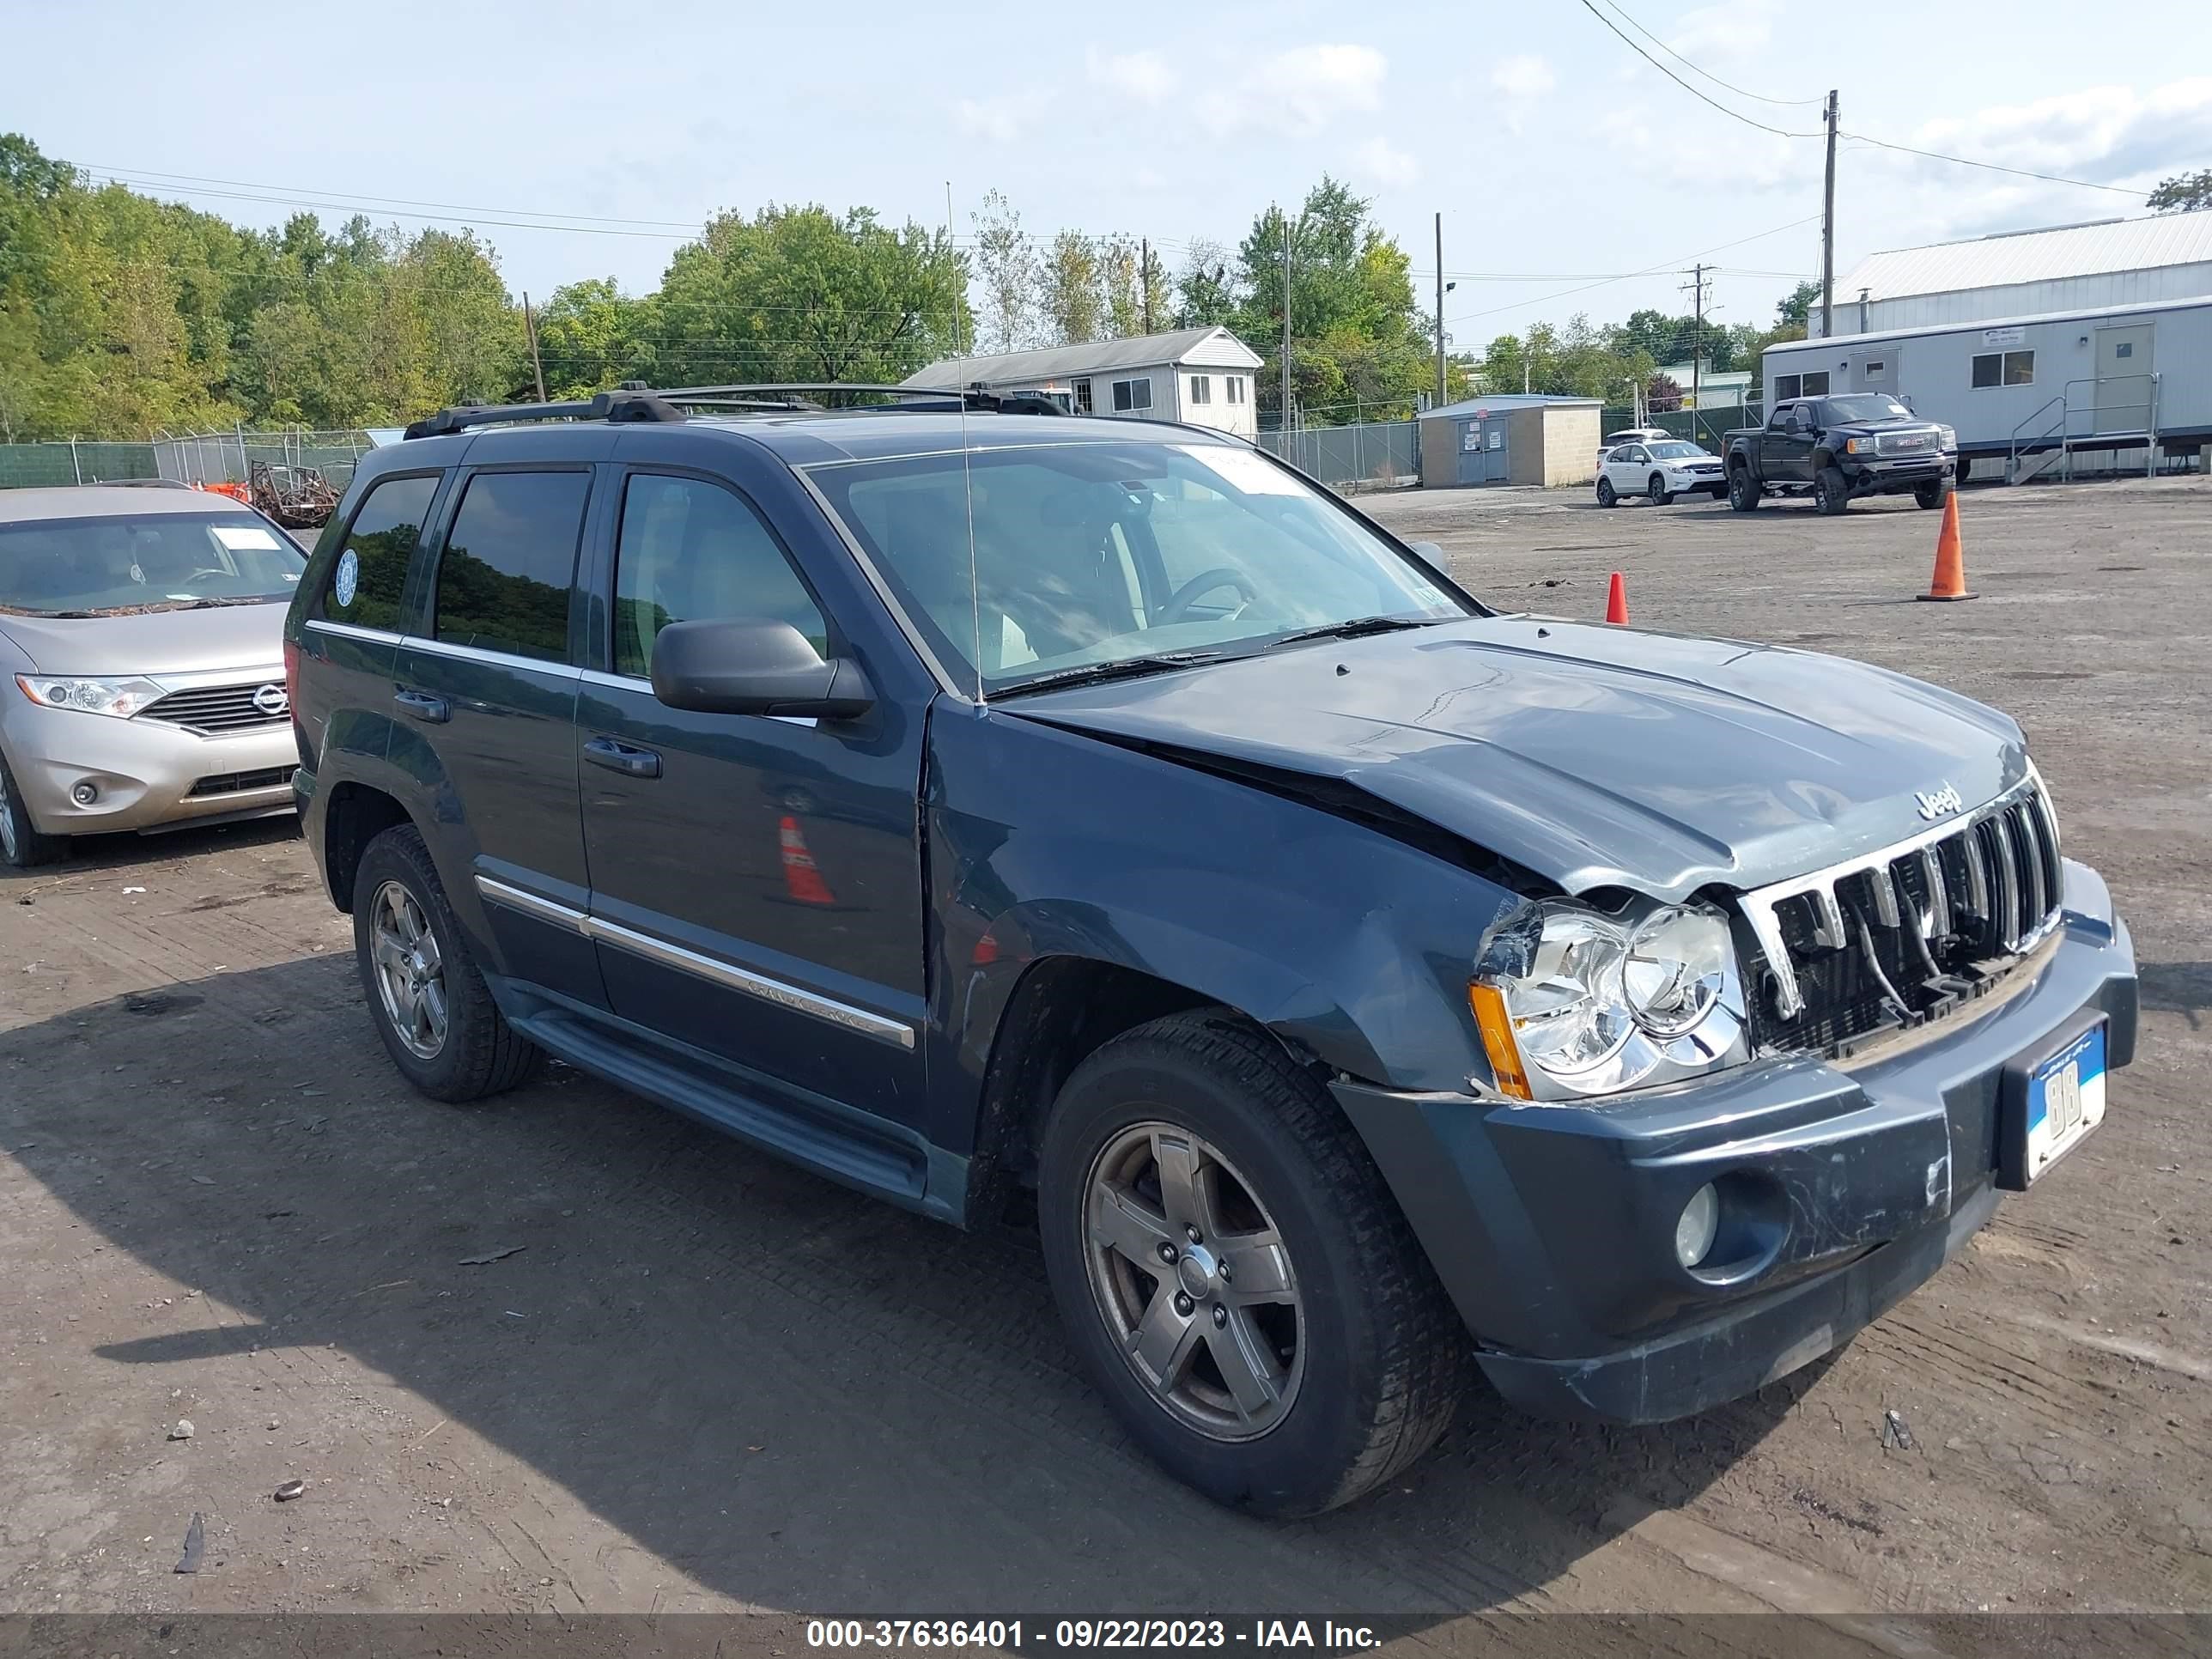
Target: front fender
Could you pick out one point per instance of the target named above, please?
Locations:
(1043, 842)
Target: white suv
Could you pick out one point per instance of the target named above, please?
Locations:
(1659, 471)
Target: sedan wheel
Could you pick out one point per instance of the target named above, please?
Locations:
(1606, 495)
(411, 974)
(1660, 495)
(1193, 1281)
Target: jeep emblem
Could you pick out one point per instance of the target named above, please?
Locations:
(1939, 803)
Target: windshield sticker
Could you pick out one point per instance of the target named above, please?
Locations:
(347, 577)
(239, 537)
(1247, 469)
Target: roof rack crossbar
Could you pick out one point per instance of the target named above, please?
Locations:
(622, 405)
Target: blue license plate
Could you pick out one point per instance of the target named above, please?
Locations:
(2065, 1101)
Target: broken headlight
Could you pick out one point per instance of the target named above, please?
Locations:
(1573, 1002)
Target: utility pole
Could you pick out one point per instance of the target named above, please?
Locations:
(537, 364)
(1288, 231)
(1697, 334)
(1144, 279)
(1440, 311)
(1828, 232)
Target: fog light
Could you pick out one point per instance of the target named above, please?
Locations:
(1701, 1219)
(84, 794)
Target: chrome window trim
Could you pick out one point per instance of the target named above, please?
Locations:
(714, 968)
(352, 631)
(1761, 905)
(875, 579)
(493, 659)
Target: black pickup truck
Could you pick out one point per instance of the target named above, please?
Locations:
(1837, 449)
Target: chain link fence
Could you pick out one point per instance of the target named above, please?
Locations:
(1378, 454)
(194, 459)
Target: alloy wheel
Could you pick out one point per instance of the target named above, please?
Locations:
(1194, 1281)
(411, 970)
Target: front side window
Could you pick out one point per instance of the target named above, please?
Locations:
(690, 551)
(510, 563)
(1202, 388)
(104, 566)
(1088, 554)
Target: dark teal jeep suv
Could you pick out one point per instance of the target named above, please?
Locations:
(1009, 813)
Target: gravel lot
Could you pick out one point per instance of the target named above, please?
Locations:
(705, 1382)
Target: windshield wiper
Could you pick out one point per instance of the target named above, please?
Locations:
(1122, 668)
(1358, 627)
(217, 604)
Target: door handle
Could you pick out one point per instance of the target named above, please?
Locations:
(625, 758)
(423, 707)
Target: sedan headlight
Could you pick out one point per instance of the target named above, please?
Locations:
(1573, 1002)
(120, 698)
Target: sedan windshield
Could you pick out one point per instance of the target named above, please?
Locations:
(1872, 406)
(1084, 556)
(119, 563)
(1677, 452)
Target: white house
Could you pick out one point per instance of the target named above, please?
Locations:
(1201, 376)
(2027, 273)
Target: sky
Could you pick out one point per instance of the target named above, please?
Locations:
(1563, 162)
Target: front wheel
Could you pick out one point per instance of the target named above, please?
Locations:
(1930, 494)
(1743, 492)
(1830, 494)
(21, 843)
(1657, 490)
(1235, 1274)
(430, 1004)
(1606, 496)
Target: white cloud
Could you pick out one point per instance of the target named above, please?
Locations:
(1000, 122)
(1304, 88)
(1734, 32)
(1380, 160)
(1524, 76)
(1144, 76)
(2108, 135)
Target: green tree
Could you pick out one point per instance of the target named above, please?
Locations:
(1010, 272)
(2185, 192)
(593, 338)
(1071, 291)
(1796, 311)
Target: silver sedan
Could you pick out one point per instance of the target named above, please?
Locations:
(142, 674)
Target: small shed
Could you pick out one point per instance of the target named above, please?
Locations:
(1512, 438)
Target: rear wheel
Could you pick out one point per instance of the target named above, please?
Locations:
(1743, 491)
(1235, 1274)
(429, 1002)
(21, 843)
(1606, 493)
(1932, 493)
(1830, 494)
(1657, 490)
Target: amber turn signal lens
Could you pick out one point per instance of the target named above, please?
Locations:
(1497, 1027)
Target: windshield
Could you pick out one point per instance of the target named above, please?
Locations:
(119, 563)
(1675, 452)
(1093, 554)
(1871, 407)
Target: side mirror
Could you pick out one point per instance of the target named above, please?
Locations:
(1432, 552)
(752, 666)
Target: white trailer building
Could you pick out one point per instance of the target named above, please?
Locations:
(2027, 394)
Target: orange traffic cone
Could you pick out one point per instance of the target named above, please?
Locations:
(800, 878)
(1616, 599)
(1950, 582)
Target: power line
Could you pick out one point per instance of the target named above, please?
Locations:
(405, 201)
(1649, 270)
(1707, 74)
(1694, 91)
(1994, 167)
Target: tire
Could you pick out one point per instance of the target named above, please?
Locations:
(1830, 494)
(1965, 468)
(1657, 490)
(1744, 492)
(1348, 1377)
(1606, 495)
(476, 1053)
(21, 844)
(1930, 494)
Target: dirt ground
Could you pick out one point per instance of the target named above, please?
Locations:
(705, 1382)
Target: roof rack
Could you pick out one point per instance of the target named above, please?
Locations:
(628, 403)
(913, 399)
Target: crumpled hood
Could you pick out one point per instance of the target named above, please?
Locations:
(249, 636)
(1597, 757)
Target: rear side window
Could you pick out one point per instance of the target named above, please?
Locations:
(510, 562)
(690, 551)
(365, 584)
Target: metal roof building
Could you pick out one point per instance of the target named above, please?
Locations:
(2027, 273)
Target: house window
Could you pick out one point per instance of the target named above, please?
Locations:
(1816, 383)
(1786, 385)
(1083, 397)
(1234, 384)
(1202, 388)
(2004, 369)
(1132, 394)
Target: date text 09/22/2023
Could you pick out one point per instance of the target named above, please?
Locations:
(1019, 1634)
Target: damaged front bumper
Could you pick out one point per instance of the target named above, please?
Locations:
(1553, 1227)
